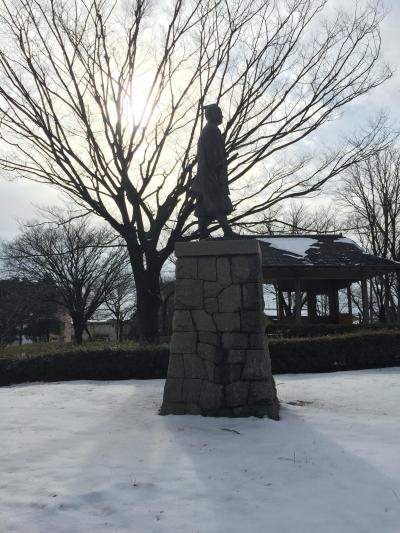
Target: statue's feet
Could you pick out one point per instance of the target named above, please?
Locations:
(204, 235)
(230, 233)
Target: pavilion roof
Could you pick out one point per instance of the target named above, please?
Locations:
(321, 251)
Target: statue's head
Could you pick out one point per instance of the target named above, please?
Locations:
(213, 114)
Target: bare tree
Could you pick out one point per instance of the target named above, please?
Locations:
(93, 103)
(74, 256)
(371, 194)
(299, 218)
(121, 303)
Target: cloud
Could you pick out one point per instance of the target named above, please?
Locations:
(18, 200)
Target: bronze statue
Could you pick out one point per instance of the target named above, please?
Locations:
(211, 183)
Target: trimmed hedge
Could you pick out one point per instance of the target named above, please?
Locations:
(319, 330)
(328, 354)
(316, 354)
(139, 363)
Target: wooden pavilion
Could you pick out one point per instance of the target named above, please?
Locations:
(312, 265)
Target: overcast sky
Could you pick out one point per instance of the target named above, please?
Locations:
(19, 198)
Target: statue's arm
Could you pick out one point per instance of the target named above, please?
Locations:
(214, 149)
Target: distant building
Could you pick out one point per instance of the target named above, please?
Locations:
(101, 330)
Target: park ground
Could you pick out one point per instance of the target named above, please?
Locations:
(95, 457)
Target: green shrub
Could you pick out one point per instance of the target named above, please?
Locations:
(86, 362)
(105, 361)
(342, 352)
(319, 330)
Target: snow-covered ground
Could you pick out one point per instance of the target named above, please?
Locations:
(95, 457)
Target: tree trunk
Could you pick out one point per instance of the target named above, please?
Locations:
(119, 324)
(79, 328)
(386, 298)
(146, 272)
(148, 303)
(398, 294)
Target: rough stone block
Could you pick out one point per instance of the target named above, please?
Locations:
(188, 294)
(234, 340)
(230, 299)
(203, 321)
(207, 268)
(217, 248)
(225, 374)
(226, 412)
(171, 408)
(246, 269)
(227, 321)
(224, 271)
(261, 393)
(191, 390)
(236, 356)
(208, 337)
(211, 396)
(268, 362)
(210, 370)
(210, 352)
(192, 409)
(260, 411)
(194, 367)
(175, 366)
(258, 341)
(244, 411)
(252, 296)
(271, 411)
(197, 368)
(186, 268)
(252, 321)
(256, 366)
(182, 321)
(173, 390)
(212, 289)
(211, 305)
(207, 351)
(183, 342)
(236, 394)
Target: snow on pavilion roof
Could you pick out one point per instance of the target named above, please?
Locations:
(319, 251)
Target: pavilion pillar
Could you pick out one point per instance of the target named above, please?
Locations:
(297, 302)
(349, 303)
(336, 309)
(364, 293)
(388, 315)
(312, 305)
(333, 303)
(281, 313)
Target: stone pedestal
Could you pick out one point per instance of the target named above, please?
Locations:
(219, 361)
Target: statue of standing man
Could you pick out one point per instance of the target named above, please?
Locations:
(211, 183)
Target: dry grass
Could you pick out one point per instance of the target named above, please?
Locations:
(28, 351)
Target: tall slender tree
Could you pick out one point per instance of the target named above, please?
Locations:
(370, 193)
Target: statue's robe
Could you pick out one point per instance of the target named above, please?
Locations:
(211, 182)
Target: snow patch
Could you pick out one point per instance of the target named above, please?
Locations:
(291, 245)
(346, 240)
(96, 457)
